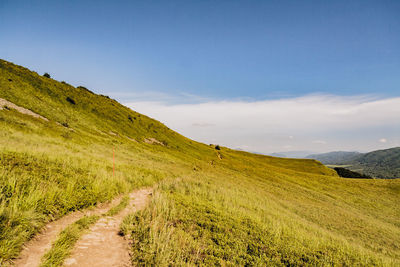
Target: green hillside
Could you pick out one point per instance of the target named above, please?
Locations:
(209, 207)
(380, 163)
(335, 157)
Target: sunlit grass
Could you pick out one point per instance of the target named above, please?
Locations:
(121, 205)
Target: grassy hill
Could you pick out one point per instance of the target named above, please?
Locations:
(335, 157)
(212, 207)
(380, 164)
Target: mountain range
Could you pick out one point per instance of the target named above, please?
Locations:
(380, 163)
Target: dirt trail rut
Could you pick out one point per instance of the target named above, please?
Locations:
(4, 103)
(102, 246)
(38, 246)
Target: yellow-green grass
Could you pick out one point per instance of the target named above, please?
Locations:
(214, 216)
(44, 176)
(116, 209)
(243, 209)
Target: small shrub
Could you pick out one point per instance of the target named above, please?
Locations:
(345, 173)
(84, 88)
(65, 124)
(70, 100)
(46, 75)
(217, 147)
(10, 80)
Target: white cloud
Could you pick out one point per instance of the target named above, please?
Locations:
(337, 122)
(242, 147)
(321, 142)
(383, 140)
(204, 124)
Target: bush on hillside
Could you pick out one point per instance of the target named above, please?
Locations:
(70, 100)
(345, 173)
(46, 75)
(217, 147)
(84, 88)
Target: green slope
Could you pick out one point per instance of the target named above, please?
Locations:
(219, 207)
(380, 163)
(335, 157)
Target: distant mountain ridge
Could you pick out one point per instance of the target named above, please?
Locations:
(291, 154)
(380, 163)
(335, 157)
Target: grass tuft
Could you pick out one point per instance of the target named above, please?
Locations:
(122, 204)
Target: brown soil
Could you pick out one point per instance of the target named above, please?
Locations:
(7, 104)
(102, 245)
(153, 141)
(38, 246)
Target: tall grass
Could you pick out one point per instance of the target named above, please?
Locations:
(251, 210)
(44, 176)
(35, 190)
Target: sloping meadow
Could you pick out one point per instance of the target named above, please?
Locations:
(267, 216)
(211, 207)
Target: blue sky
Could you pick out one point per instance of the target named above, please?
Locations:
(190, 52)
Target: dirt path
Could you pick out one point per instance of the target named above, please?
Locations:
(38, 246)
(102, 246)
(7, 104)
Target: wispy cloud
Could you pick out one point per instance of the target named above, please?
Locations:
(204, 124)
(312, 122)
(321, 142)
(159, 97)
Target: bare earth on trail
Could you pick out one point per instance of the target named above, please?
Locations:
(41, 243)
(103, 246)
(7, 104)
